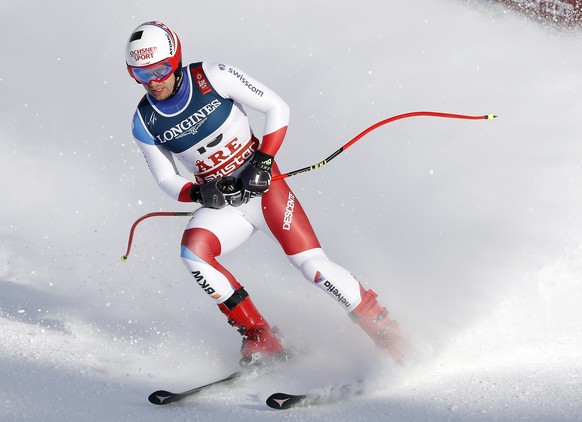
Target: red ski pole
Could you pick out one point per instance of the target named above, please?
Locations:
(377, 125)
(143, 217)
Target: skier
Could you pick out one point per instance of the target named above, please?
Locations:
(196, 114)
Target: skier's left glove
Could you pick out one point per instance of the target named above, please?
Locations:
(256, 176)
(219, 193)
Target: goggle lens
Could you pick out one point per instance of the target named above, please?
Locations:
(155, 73)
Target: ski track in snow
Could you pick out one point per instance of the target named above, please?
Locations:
(468, 230)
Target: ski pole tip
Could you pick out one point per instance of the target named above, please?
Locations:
(490, 116)
(124, 258)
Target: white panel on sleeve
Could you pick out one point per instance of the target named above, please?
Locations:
(163, 168)
(159, 160)
(233, 83)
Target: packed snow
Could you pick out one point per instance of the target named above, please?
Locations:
(469, 230)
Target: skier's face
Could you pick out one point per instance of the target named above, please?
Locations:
(161, 90)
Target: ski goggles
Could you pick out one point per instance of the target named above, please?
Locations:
(157, 72)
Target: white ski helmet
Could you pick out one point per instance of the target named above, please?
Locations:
(153, 52)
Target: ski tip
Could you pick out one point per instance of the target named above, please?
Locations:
(281, 401)
(161, 397)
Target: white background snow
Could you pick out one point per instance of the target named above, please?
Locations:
(469, 230)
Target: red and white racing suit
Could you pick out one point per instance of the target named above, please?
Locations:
(205, 127)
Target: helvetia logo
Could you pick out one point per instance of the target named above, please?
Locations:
(334, 291)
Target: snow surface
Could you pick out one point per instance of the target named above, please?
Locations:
(469, 230)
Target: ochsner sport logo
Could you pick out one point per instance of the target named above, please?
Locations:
(143, 53)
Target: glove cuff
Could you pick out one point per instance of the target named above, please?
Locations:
(195, 194)
(262, 161)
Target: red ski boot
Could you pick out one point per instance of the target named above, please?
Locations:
(259, 340)
(373, 319)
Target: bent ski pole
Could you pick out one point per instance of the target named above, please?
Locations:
(377, 125)
(143, 217)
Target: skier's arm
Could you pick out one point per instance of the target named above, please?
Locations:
(161, 163)
(237, 85)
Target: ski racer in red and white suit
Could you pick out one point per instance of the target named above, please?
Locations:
(204, 126)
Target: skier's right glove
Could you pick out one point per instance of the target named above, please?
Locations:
(220, 192)
(256, 175)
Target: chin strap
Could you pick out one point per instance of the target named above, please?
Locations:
(179, 74)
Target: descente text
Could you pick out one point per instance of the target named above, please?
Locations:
(288, 217)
